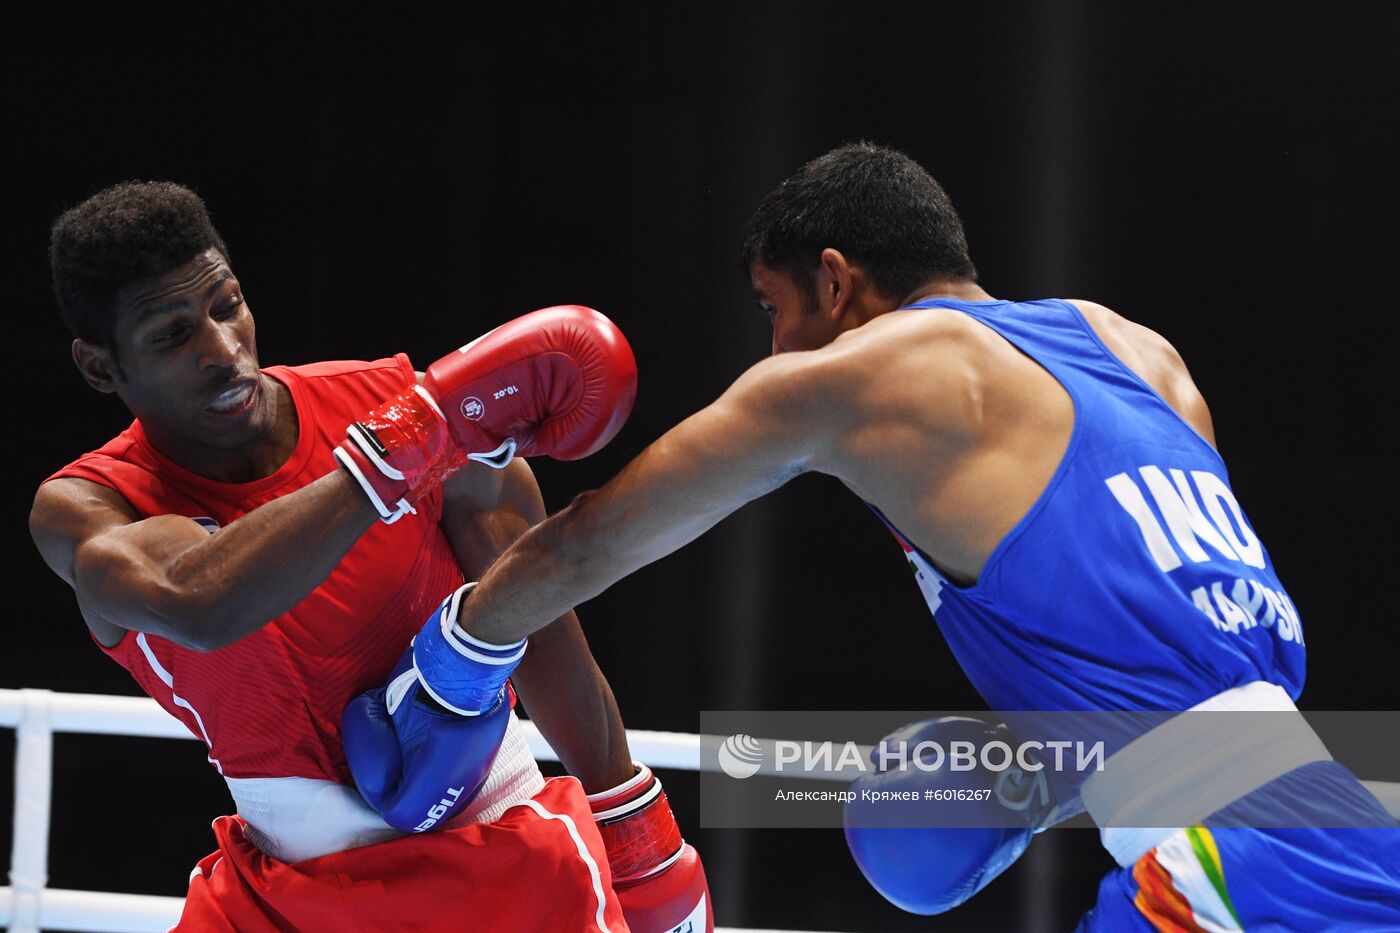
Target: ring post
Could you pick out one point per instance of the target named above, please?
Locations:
(29, 853)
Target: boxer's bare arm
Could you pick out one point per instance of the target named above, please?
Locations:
(168, 576)
(775, 422)
(566, 695)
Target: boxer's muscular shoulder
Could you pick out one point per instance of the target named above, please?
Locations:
(66, 514)
(1154, 359)
(68, 511)
(1143, 350)
(115, 560)
(931, 364)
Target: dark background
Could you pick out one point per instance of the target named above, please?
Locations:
(404, 179)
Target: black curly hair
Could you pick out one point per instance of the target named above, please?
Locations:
(122, 235)
(876, 205)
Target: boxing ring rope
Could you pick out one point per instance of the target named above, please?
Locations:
(28, 904)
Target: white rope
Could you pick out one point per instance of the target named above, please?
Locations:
(101, 912)
(28, 905)
(96, 713)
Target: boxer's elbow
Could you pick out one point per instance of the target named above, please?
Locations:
(571, 536)
(586, 548)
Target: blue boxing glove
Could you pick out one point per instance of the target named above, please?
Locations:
(930, 860)
(416, 762)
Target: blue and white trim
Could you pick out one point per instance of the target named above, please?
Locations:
(463, 673)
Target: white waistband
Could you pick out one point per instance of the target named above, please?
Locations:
(1192, 766)
(293, 819)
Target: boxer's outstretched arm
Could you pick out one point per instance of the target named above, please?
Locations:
(774, 423)
(168, 576)
(565, 693)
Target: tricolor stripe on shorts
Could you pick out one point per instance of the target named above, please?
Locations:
(1181, 885)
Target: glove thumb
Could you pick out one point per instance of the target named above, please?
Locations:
(372, 747)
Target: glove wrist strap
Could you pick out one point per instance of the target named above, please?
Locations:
(463, 673)
(399, 452)
(639, 830)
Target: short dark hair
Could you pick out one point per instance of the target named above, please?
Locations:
(876, 205)
(123, 234)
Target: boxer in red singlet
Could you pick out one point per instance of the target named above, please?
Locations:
(220, 555)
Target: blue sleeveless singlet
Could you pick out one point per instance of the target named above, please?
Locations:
(1135, 582)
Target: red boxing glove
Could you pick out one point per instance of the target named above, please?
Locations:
(657, 875)
(559, 381)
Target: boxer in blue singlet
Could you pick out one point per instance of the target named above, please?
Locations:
(1050, 470)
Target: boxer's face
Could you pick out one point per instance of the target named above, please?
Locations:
(184, 357)
(797, 324)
